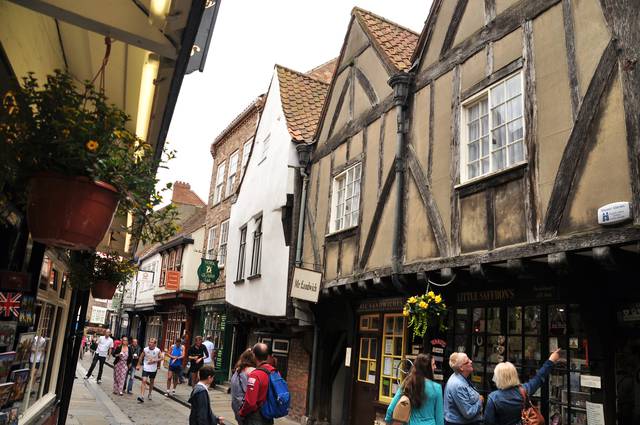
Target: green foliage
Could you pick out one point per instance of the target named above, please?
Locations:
(87, 268)
(57, 128)
(424, 311)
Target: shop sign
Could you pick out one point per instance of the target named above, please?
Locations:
(382, 304)
(630, 313)
(490, 295)
(145, 279)
(614, 213)
(306, 284)
(208, 272)
(172, 280)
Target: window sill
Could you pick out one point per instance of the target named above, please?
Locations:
(492, 179)
(341, 234)
(254, 276)
(238, 282)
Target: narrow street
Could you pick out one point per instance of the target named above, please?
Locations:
(95, 404)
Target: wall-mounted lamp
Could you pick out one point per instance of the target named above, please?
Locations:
(158, 11)
(304, 154)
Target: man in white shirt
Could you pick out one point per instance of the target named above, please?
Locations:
(105, 344)
(150, 359)
(208, 361)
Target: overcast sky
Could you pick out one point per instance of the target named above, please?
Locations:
(250, 37)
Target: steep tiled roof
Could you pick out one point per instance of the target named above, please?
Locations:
(182, 194)
(302, 98)
(396, 42)
(324, 72)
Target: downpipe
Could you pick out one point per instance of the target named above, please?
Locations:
(400, 83)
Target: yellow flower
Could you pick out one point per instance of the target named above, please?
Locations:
(412, 300)
(438, 299)
(431, 294)
(422, 304)
(92, 145)
(405, 312)
(65, 133)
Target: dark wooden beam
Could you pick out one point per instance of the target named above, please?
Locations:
(505, 23)
(377, 215)
(424, 189)
(339, 104)
(570, 45)
(454, 168)
(424, 42)
(580, 141)
(489, 11)
(383, 121)
(458, 13)
(531, 187)
(311, 226)
(367, 87)
(432, 106)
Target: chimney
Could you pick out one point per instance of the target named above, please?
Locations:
(182, 194)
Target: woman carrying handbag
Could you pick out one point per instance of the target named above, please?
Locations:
(418, 401)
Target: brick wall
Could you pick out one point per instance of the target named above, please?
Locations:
(298, 378)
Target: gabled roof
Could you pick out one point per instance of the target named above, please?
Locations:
(302, 98)
(325, 71)
(394, 42)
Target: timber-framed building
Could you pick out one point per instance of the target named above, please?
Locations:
(474, 158)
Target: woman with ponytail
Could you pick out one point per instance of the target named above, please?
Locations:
(424, 394)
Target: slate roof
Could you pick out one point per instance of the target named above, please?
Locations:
(302, 99)
(396, 42)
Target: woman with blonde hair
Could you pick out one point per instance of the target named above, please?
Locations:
(424, 394)
(462, 403)
(504, 406)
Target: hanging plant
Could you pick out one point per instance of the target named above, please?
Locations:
(86, 269)
(66, 137)
(425, 311)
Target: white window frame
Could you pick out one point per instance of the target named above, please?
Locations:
(242, 254)
(233, 171)
(485, 95)
(219, 191)
(339, 213)
(222, 247)
(211, 243)
(265, 147)
(256, 247)
(246, 150)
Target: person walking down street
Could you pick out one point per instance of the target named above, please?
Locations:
(462, 403)
(103, 349)
(257, 388)
(185, 365)
(132, 362)
(150, 359)
(83, 345)
(504, 406)
(197, 353)
(424, 394)
(245, 365)
(210, 359)
(201, 413)
(94, 345)
(121, 355)
(176, 356)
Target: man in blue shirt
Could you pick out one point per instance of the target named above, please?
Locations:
(462, 403)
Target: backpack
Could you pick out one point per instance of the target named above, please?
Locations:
(402, 411)
(278, 398)
(530, 414)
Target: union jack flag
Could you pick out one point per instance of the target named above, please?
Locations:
(10, 304)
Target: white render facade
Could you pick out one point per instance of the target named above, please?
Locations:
(269, 178)
(142, 296)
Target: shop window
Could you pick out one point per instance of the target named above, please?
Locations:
(280, 349)
(53, 279)
(368, 360)
(45, 273)
(346, 199)
(213, 325)
(154, 329)
(493, 129)
(176, 323)
(392, 355)
(370, 322)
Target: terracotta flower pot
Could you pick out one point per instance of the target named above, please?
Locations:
(103, 289)
(69, 212)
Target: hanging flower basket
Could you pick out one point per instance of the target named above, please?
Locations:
(69, 212)
(425, 311)
(103, 289)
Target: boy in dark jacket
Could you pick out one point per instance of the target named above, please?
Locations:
(201, 413)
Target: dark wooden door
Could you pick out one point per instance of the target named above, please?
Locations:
(365, 389)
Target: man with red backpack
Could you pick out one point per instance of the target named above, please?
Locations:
(267, 395)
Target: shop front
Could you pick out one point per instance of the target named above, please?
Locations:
(213, 323)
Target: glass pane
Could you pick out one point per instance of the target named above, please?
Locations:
(532, 320)
(478, 348)
(515, 130)
(484, 128)
(397, 349)
(532, 350)
(387, 366)
(386, 387)
(514, 86)
(485, 165)
(497, 95)
(496, 349)
(514, 351)
(364, 347)
(485, 146)
(373, 347)
(388, 346)
(478, 320)
(388, 325)
(514, 108)
(473, 151)
(558, 386)
(515, 153)
(472, 170)
(398, 327)
(461, 320)
(483, 106)
(375, 323)
(461, 343)
(362, 375)
(514, 320)
(499, 137)
(474, 128)
(498, 158)
(498, 116)
(473, 113)
(494, 320)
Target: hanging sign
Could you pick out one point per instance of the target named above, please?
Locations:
(208, 272)
(172, 280)
(306, 284)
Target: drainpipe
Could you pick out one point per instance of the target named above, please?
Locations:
(304, 156)
(400, 83)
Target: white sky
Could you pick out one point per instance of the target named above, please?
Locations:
(249, 38)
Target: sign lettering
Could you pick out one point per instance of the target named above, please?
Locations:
(173, 280)
(306, 284)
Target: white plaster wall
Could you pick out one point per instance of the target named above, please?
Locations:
(190, 262)
(145, 294)
(263, 191)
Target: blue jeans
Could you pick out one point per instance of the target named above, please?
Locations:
(131, 372)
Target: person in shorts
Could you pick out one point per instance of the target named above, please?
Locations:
(197, 353)
(176, 356)
(150, 359)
